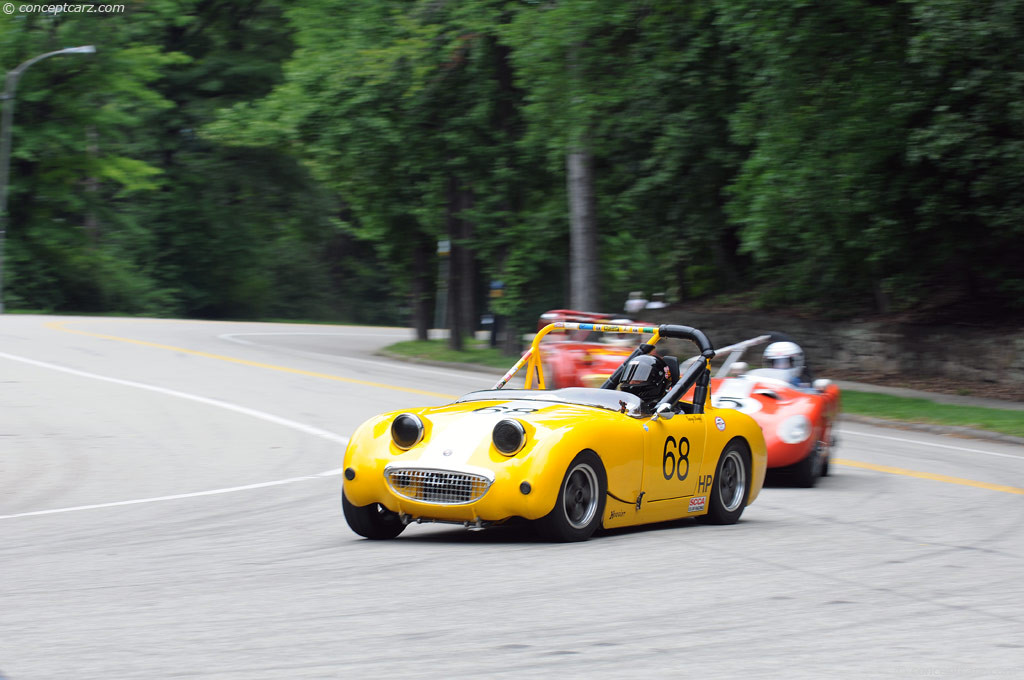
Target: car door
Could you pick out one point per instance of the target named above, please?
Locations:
(673, 450)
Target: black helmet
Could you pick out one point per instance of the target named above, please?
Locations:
(645, 377)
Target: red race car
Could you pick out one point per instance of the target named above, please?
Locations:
(583, 358)
(795, 411)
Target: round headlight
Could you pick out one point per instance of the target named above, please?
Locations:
(509, 437)
(795, 430)
(407, 431)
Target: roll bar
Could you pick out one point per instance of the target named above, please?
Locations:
(689, 333)
(531, 358)
(698, 376)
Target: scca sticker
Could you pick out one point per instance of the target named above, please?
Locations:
(720, 423)
(697, 504)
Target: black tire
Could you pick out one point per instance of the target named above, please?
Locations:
(372, 521)
(828, 457)
(731, 488)
(580, 504)
(807, 471)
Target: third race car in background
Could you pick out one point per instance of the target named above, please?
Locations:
(583, 358)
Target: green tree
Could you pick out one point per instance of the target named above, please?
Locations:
(649, 88)
(965, 154)
(406, 111)
(75, 164)
(884, 139)
(823, 121)
(120, 205)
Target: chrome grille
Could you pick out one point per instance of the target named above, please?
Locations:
(441, 487)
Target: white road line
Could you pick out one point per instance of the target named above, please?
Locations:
(924, 443)
(157, 499)
(261, 415)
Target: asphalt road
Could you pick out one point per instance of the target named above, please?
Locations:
(169, 507)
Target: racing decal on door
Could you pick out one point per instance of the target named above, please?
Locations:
(697, 504)
(675, 461)
(704, 484)
(720, 423)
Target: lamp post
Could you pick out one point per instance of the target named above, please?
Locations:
(10, 85)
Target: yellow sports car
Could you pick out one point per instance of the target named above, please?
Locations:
(571, 460)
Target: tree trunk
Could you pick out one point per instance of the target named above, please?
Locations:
(467, 263)
(92, 190)
(452, 222)
(583, 264)
(421, 287)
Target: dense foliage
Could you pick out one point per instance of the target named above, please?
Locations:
(302, 160)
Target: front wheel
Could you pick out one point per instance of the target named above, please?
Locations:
(828, 456)
(807, 471)
(731, 487)
(580, 503)
(371, 521)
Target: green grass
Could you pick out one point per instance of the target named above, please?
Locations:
(437, 350)
(915, 410)
(905, 409)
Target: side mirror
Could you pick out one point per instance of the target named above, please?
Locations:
(663, 411)
(821, 383)
(738, 368)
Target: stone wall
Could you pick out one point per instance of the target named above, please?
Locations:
(967, 353)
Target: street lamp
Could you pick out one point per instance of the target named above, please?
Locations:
(10, 85)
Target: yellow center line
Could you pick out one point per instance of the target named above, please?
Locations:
(60, 326)
(929, 475)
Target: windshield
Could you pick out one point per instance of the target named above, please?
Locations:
(611, 400)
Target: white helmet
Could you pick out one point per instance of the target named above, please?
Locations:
(784, 355)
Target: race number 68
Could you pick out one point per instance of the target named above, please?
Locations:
(674, 457)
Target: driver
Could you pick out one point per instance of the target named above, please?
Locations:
(646, 376)
(788, 357)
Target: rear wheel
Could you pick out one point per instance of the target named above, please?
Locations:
(731, 487)
(580, 503)
(371, 521)
(807, 471)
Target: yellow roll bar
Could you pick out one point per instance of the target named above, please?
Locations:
(531, 359)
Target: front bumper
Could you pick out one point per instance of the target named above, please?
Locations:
(459, 494)
(781, 454)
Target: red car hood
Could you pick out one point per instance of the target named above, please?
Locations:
(771, 403)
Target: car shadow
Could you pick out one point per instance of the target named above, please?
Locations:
(519, 532)
(513, 531)
(779, 479)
